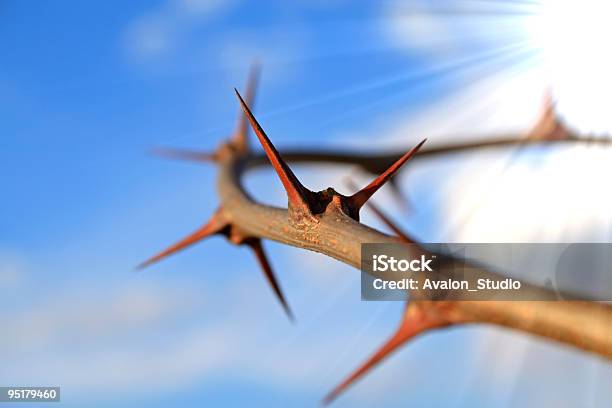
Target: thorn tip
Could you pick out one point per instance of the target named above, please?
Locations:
(296, 192)
(416, 320)
(257, 247)
(215, 225)
(358, 199)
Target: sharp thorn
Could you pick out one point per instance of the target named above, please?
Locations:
(256, 246)
(414, 322)
(241, 139)
(359, 198)
(296, 192)
(403, 334)
(215, 225)
(549, 126)
(181, 154)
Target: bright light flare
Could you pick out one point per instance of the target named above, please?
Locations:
(576, 38)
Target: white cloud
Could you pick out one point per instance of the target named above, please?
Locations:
(130, 339)
(272, 49)
(150, 36)
(450, 27)
(551, 194)
(87, 315)
(504, 195)
(156, 33)
(558, 199)
(418, 30)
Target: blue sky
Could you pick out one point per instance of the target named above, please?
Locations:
(89, 87)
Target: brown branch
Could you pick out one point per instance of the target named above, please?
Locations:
(327, 222)
(586, 325)
(333, 232)
(376, 163)
(549, 130)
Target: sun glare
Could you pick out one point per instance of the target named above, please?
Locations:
(576, 38)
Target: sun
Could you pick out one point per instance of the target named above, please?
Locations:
(576, 41)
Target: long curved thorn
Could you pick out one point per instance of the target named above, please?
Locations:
(383, 217)
(256, 246)
(241, 139)
(296, 192)
(215, 225)
(414, 322)
(359, 198)
(184, 154)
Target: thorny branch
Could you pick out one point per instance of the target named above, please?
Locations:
(328, 222)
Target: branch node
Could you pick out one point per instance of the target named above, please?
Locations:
(218, 224)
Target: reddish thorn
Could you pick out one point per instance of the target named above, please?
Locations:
(242, 131)
(257, 248)
(384, 217)
(296, 192)
(359, 198)
(215, 225)
(414, 322)
(181, 154)
(549, 126)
